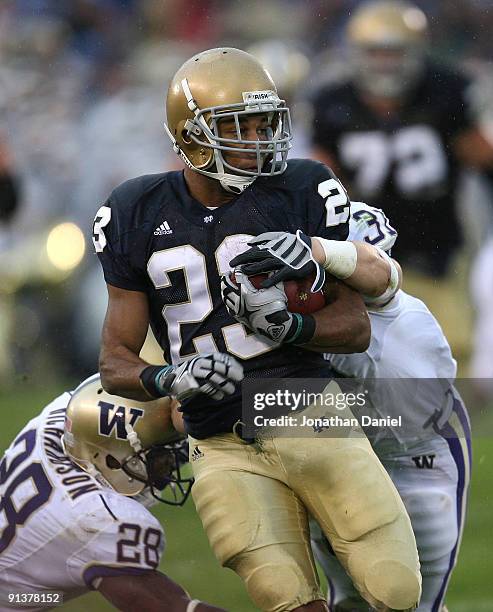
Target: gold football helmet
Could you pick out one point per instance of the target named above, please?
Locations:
(125, 444)
(226, 84)
(387, 40)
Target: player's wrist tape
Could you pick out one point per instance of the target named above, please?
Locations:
(341, 257)
(157, 380)
(303, 331)
(192, 605)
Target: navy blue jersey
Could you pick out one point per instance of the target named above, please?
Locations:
(152, 236)
(403, 163)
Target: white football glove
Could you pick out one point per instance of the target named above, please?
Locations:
(214, 375)
(290, 255)
(264, 311)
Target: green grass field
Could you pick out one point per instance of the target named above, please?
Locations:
(190, 562)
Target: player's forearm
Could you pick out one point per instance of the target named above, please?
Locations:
(349, 334)
(120, 371)
(372, 274)
(358, 264)
(153, 591)
(343, 326)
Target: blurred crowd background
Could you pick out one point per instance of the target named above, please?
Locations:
(82, 89)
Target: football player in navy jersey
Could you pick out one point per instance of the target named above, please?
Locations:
(166, 243)
(398, 128)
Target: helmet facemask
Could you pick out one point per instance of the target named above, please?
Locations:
(157, 471)
(162, 474)
(203, 131)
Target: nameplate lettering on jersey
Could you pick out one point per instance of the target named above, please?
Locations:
(73, 478)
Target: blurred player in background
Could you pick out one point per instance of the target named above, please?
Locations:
(75, 487)
(164, 241)
(398, 131)
(430, 460)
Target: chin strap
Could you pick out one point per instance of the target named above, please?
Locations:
(96, 474)
(234, 184)
(133, 438)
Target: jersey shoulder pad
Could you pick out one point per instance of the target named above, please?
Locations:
(106, 509)
(131, 195)
(132, 189)
(130, 210)
(301, 173)
(115, 536)
(370, 224)
(57, 405)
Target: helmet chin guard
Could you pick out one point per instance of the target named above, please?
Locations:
(162, 477)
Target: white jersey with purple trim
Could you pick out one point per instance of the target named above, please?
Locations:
(406, 343)
(60, 530)
(404, 323)
(431, 473)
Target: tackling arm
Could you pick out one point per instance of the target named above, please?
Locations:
(152, 592)
(359, 264)
(343, 326)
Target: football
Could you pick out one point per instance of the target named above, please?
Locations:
(300, 298)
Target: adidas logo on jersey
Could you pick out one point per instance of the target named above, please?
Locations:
(197, 454)
(163, 229)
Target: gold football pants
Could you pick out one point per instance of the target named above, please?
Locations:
(253, 501)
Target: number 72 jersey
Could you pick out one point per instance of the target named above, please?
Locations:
(405, 162)
(152, 236)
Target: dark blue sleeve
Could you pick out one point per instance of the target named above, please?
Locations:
(113, 242)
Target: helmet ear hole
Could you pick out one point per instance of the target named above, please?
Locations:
(112, 463)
